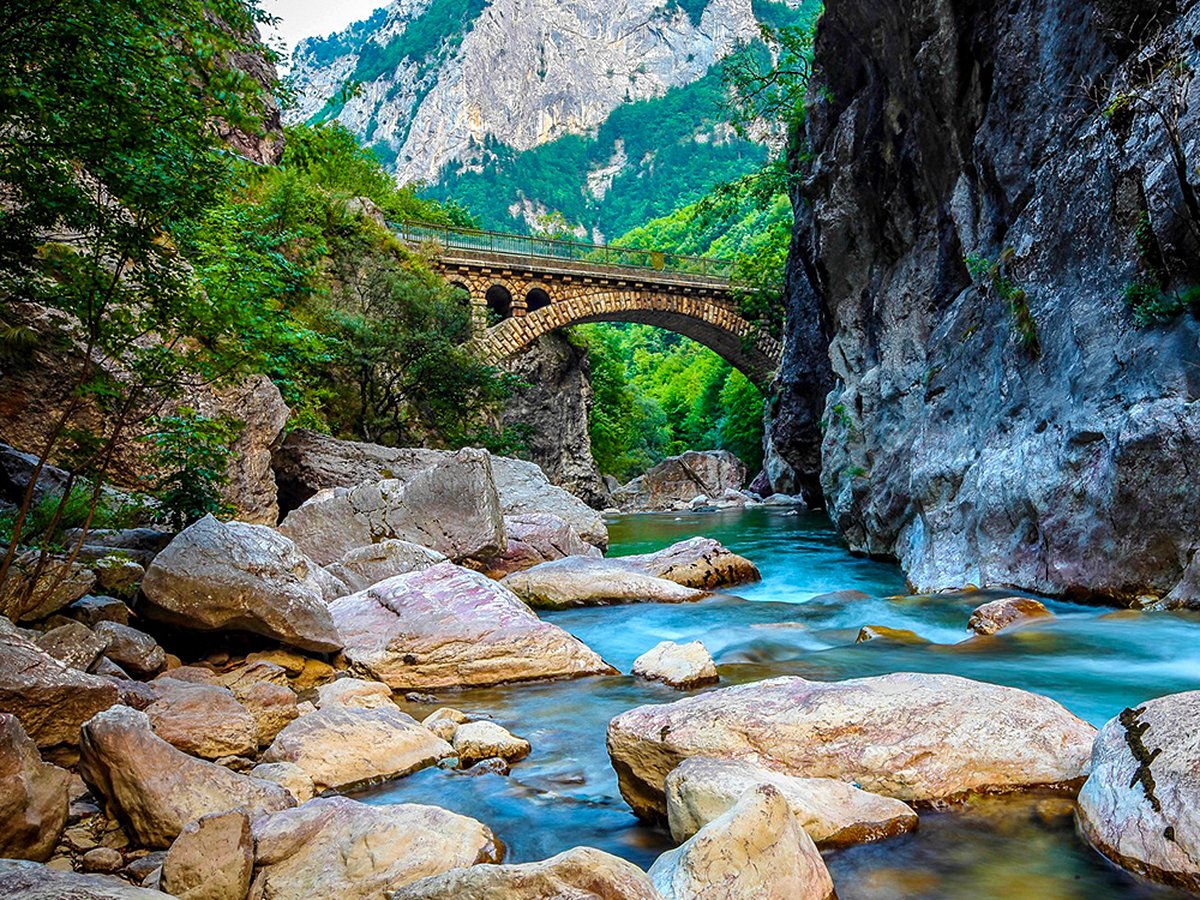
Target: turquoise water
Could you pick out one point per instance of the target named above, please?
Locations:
(1092, 660)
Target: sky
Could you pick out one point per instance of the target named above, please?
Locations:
(312, 18)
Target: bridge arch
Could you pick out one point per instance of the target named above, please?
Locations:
(715, 323)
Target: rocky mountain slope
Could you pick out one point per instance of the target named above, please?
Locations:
(995, 211)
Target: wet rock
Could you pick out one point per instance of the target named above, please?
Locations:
(698, 562)
(288, 776)
(755, 850)
(494, 765)
(92, 610)
(914, 737)
(679, 479)
(50, 699)
(1140, 806)
(335, 847)
(475, 741)
(1004, 613)
(309, 462)
(845, 596)
(118, 575)
(203, 720)
(74, 644)
(883, 633)
(451, 507)
(29, 594)
(232, 575)
(340, 746)
(134, 651)
(535, 538)
(33, 881)
(152, 788)
(447, 627)
(682, 666)
(355, 692)
(362, 567)
(104, 860)
(212, 859)
(581, 874)
(444, 722)
(272, 706)
(582, 581)
(833, 813)
(33, 796)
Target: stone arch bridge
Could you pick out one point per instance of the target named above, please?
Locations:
(521, 288)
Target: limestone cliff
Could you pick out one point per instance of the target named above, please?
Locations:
(551, 405)
(434, 86)
(1004, 422)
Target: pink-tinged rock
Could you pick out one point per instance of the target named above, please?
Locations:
(915, 737)
(698, 562)
(535, 538)
(1140, 806)
(448, 627)
(584, 581)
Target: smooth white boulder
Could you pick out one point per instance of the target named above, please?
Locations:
(681, 666)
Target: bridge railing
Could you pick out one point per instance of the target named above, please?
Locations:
(541, 248)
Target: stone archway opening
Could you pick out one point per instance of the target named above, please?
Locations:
(536, 299)
(499, 302)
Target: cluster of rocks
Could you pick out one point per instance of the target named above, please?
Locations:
(695, 480)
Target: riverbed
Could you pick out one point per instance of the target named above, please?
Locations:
(1093, 660)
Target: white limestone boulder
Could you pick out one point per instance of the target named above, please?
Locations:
(682, 666)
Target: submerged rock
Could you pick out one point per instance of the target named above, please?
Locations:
(452, 507)
(578, 874)
(914, 737)
(755, 851)
(33, 796)
(677, 480)
(341, 746)
(1140, 806)
(883, 633)
(340, 848)
(1004, 613)
(833, 813)
(230, 575)
(698, 562)
(582, 581)
(682, 666)
(152, 788)
(447, 627)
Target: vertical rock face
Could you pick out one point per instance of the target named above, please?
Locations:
(553, 407)
(1054, 451)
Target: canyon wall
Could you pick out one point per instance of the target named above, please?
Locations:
(982, 194)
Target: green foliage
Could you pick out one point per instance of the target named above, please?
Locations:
(993, 276)
(49, 517)
(439, 29)
(1148, 295)
(191, 451)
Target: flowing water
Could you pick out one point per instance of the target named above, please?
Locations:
(1092, 660)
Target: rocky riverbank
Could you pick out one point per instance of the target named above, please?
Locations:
(194, 732)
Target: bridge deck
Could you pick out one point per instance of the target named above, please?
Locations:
(574, 258)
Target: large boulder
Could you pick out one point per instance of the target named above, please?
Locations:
(584, 581)
(35, 588)
(204, 720)
(449, 627)
(337, 847)
(362, 567)
(341, 746)
(50, 699)
(152, 788)
(308, 463)
(915, 737)
(34, 881)
(833, 813)
(535, 538)
(755, 851)
(231, 575)
(33, 796)
(579, 874)
(681, 666)
(451, 507)
(74, 644)
(698, 562)
(1140, 806)
(676, 481)
(212, 859)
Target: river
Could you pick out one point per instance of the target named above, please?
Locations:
(1093, 660)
